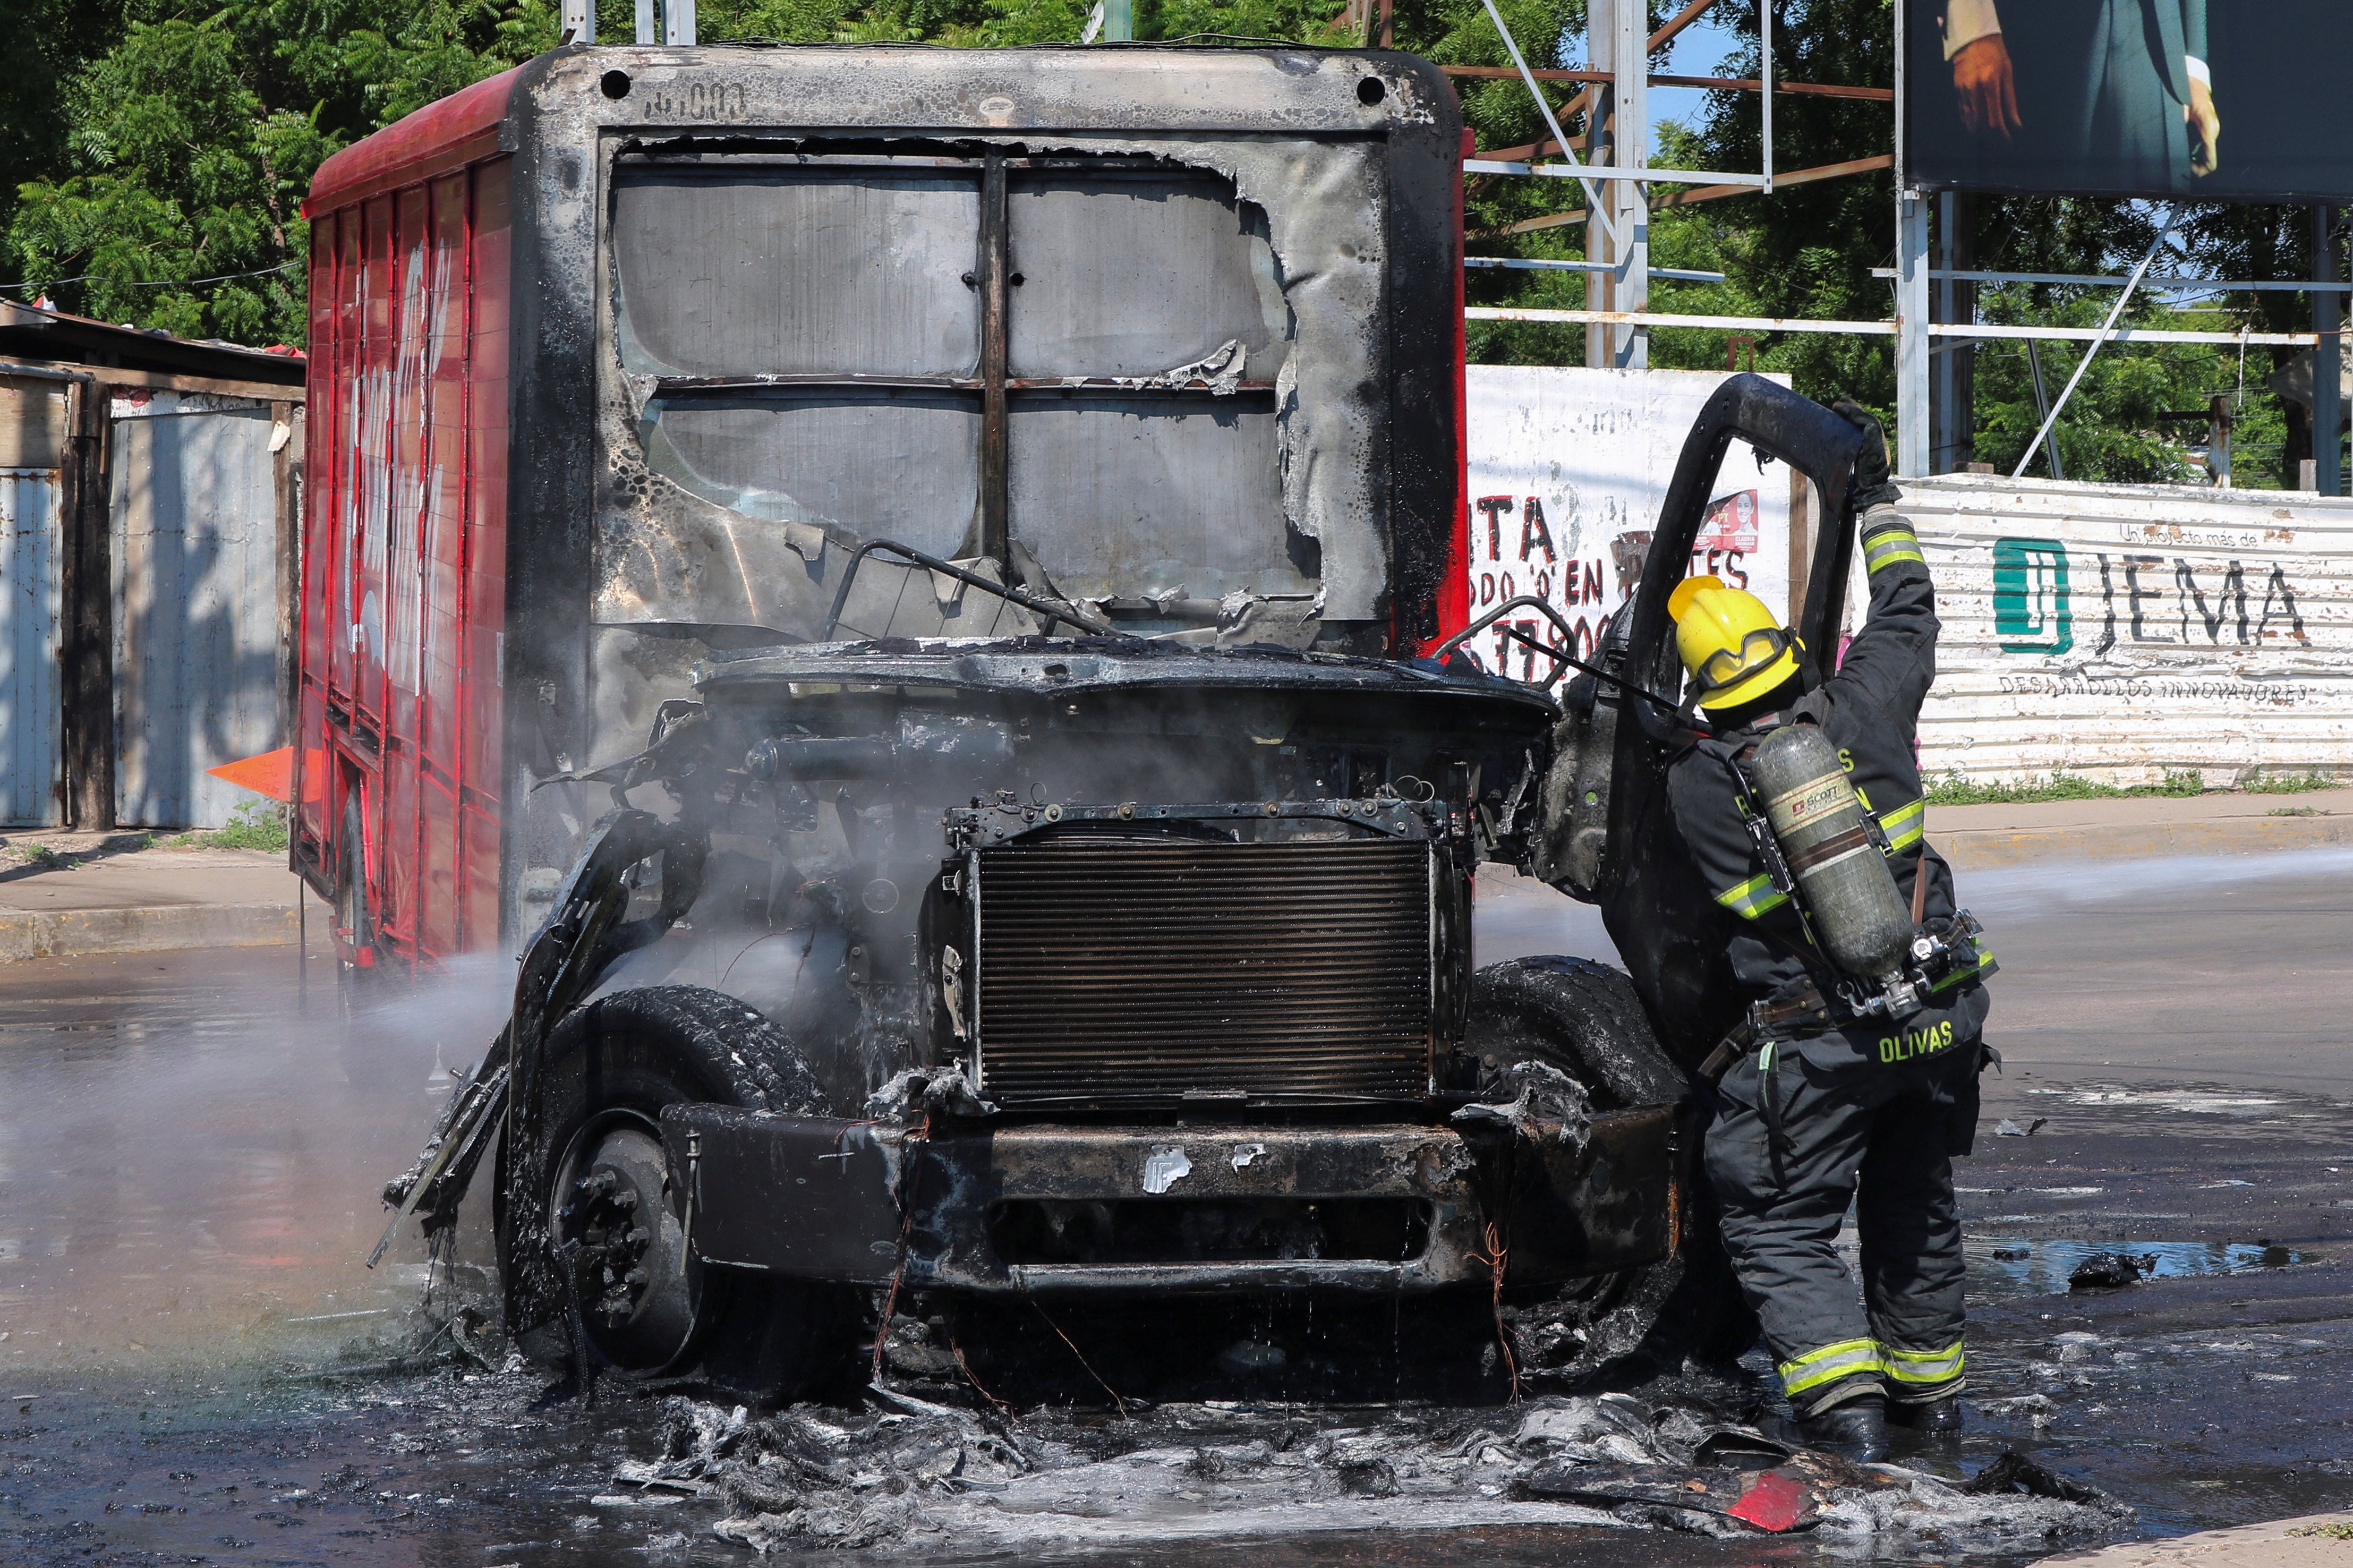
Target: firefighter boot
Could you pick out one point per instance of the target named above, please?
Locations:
(1852, 1428)
(1932, 1419)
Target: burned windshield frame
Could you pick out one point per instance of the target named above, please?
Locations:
(1220, 387)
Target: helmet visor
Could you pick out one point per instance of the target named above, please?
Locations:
(1731, 666)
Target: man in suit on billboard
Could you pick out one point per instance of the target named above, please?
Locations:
(2117, 88)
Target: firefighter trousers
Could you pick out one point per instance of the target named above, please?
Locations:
(1874, 1117)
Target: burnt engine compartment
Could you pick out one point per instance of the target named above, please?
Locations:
(1024, 935)
(1096, 874)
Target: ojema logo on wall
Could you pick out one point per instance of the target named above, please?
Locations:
(2142, 601)
(2030, 596)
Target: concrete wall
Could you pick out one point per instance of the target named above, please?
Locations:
(2121, 631)
(2118, 631)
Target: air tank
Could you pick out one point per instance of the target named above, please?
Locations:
(1858, 916)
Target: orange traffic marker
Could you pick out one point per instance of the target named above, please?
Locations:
(272, 774)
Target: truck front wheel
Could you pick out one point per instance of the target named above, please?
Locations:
(643, 1306)
(1585, 1018)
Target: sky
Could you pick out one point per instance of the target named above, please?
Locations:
(1699, 49)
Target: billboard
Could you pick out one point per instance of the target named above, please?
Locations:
(1568, 470)
(2206, 100)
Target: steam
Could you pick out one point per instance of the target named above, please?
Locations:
(192, 1163)
(2025, 891)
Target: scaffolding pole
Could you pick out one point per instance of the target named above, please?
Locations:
(1912, 329)
(2051, 420)
(1617, 36)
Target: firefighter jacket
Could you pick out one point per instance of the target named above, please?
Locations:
(1870, 711)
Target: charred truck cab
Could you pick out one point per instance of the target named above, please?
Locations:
(974, 814)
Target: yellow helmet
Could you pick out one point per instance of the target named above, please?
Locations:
(1734, 647)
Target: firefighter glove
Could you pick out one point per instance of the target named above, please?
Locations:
(1871, 487)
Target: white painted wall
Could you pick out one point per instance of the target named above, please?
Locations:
(2116, 632)
(1570, 462)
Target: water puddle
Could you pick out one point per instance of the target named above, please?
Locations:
(2188, 1101)
(2018, 1266)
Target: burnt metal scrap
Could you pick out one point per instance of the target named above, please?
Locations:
(948, 352)
(1236, 1207)
(905, 1471)
(2110, 1272)
(1126, 964)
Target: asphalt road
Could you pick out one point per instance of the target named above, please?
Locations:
(2178, 1025)
(188, 1167)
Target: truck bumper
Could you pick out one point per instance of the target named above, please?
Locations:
(1193, 1210)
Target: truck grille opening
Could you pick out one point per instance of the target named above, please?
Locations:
(1118, 968)
(1210, 1230)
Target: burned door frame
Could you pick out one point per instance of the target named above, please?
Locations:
(1670, 933)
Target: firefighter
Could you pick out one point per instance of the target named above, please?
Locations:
(1822, 1104)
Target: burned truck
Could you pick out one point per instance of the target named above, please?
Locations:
(920, 592)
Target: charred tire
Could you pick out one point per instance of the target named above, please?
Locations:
(1585, 1018)
(643, 1308)
(1580, 1016)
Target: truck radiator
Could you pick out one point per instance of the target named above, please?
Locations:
(1113, 968)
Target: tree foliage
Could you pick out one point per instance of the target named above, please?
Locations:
(145, 143)
(187, 136)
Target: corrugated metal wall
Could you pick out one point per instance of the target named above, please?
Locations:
(32, 619)
(195, 538)
(32, 770)
(2120, 632)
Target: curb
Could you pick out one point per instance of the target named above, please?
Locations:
(1975, 849)
(2241, 1546)
(67, 933)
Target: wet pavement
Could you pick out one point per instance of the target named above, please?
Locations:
(200, 1370)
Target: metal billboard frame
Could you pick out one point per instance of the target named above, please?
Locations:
(1622, 273)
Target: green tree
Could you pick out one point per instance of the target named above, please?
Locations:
(51, 40)
(173, 197)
